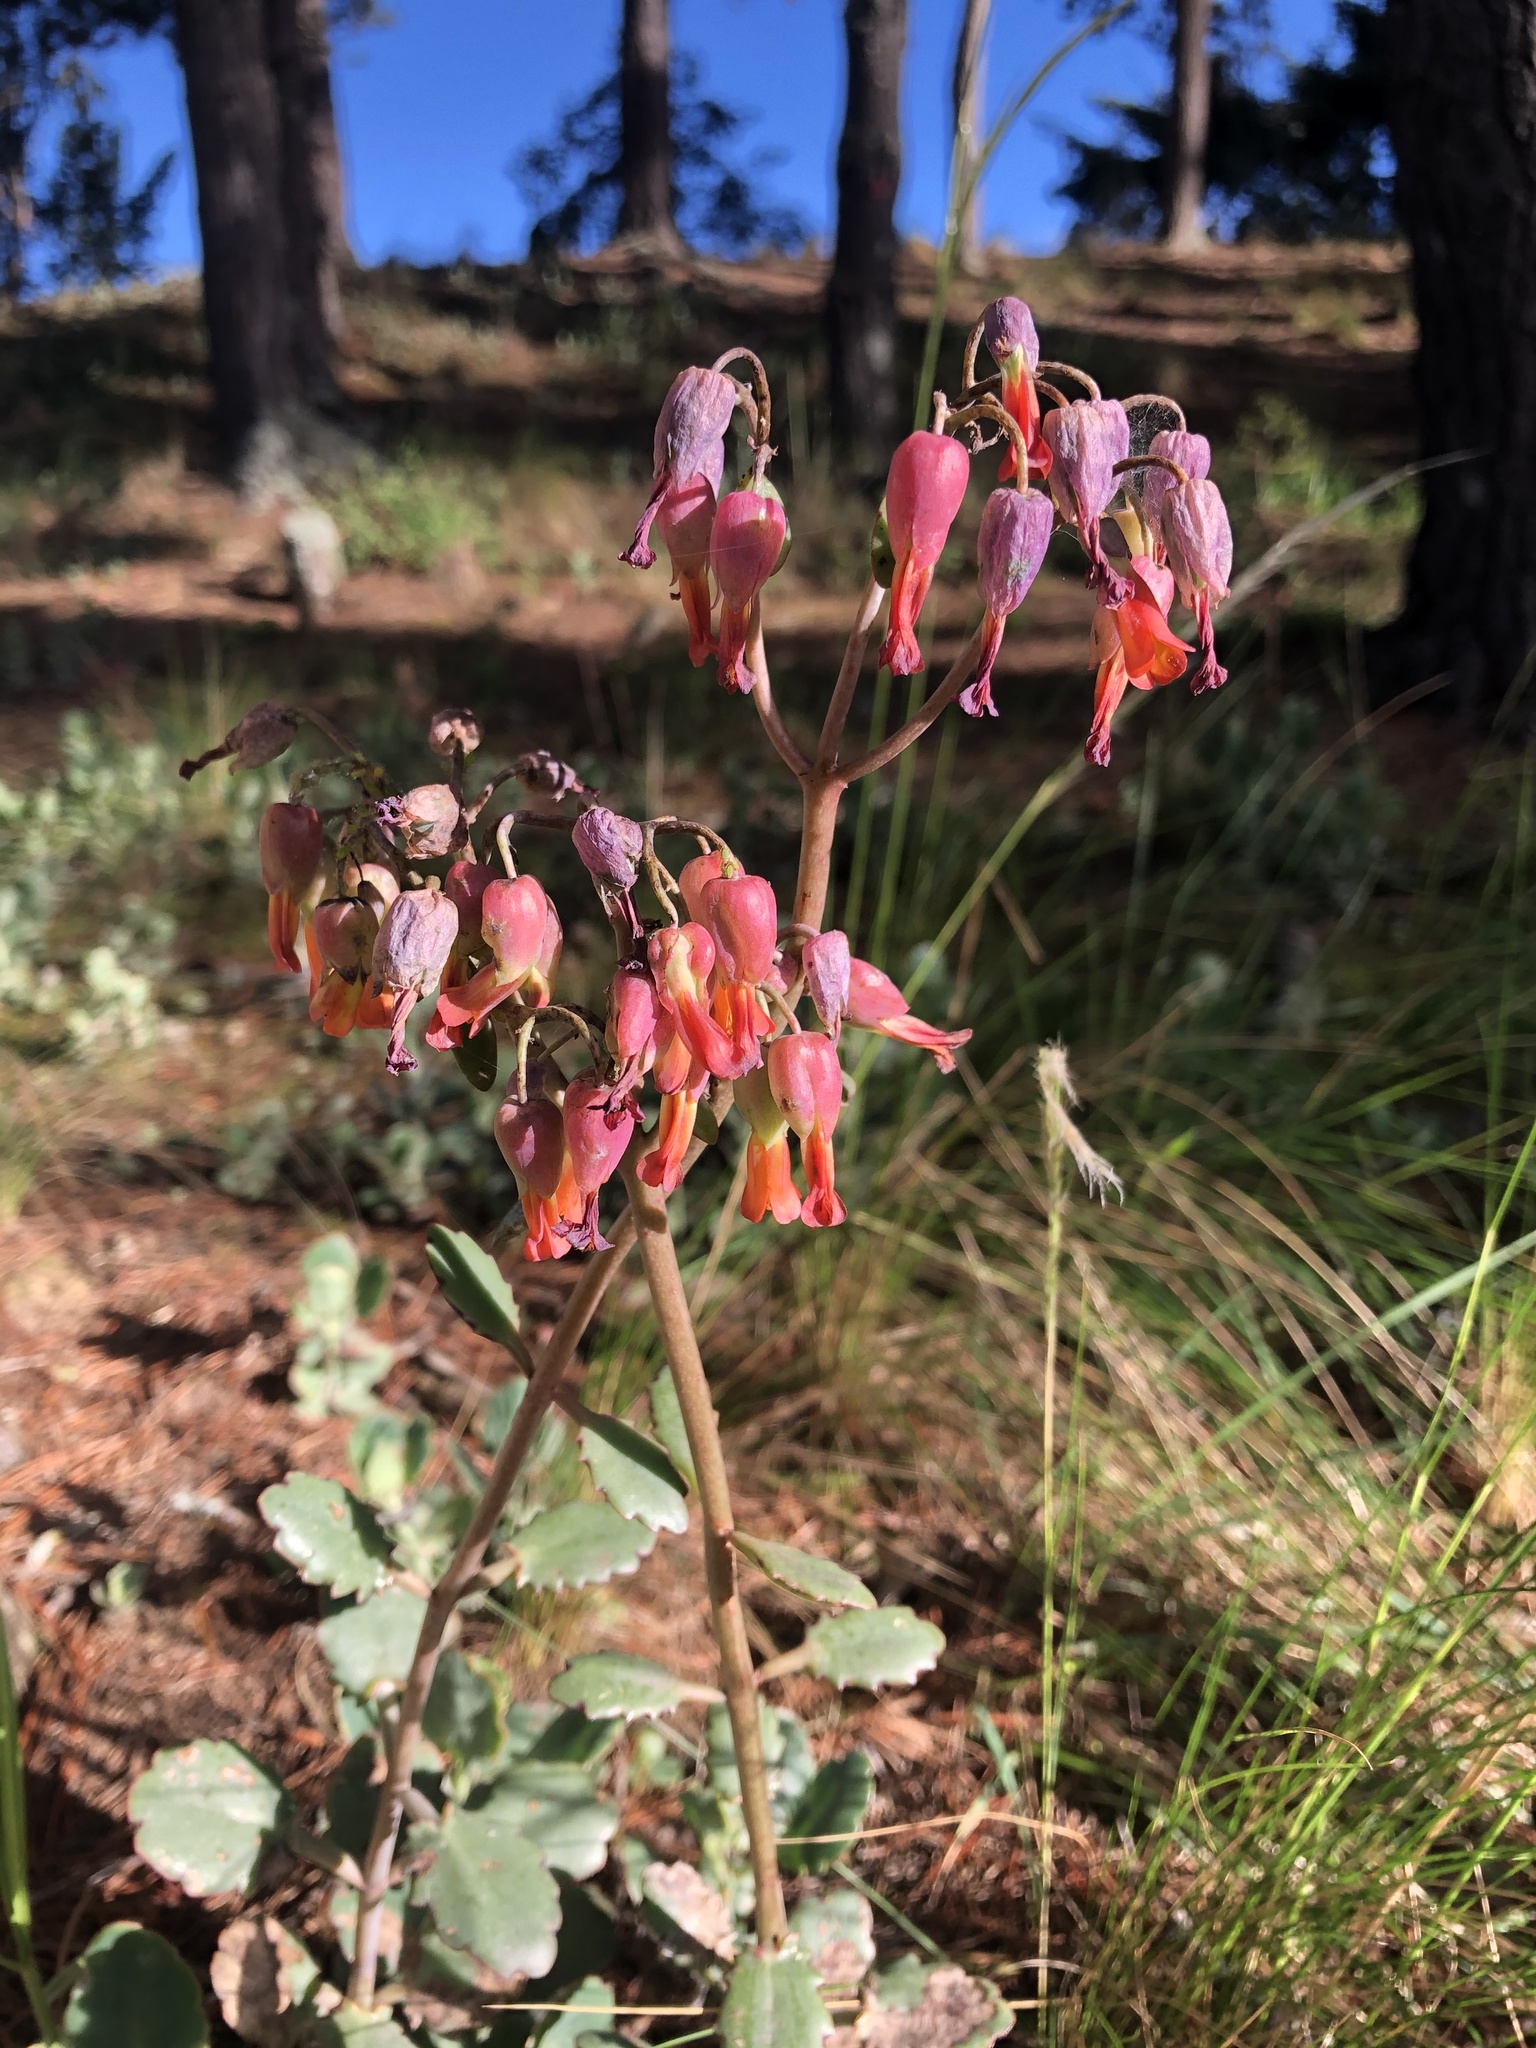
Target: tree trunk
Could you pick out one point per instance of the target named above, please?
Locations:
(969, 105)
(861, 293)
(1462, 107)
(1183, 226)
(313, 216)
(645, 123)
(237, 149)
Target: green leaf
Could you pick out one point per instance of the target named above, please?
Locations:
(671, 1430)
(472, 1283)
(326, 1534)
(834, 1803)
(463, 1713)
(476, 1060)
(587, 1941)
(836, 1933)
(388, 1454)
(891, 1646)
(371, 1647)
(583, 1543)
(773, 2003)
(800, 1572)
(953, 2010)
(350, 2027)
(635, 1474)
(134, 1991)
(203, 1815)
(490, 1894)
(566, 2029)
(610, 1683)
(372, 1284)
(554, 1807)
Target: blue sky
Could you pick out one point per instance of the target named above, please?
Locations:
(434, 107)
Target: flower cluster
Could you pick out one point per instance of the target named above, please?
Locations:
(1168, 535)
(706, 994)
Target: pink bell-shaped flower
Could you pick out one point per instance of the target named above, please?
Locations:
(770, 1182)
(634, 1022)
(685, 519)
(828, 968)
(1192, 452)
(807, 1085)
(924, 489)
(1198, 537)
(745, 543)
(743, 919)
(412, 949)
(682, 959)
(598, 1126)
(514, 916)
(1015, 533)
(531, 1136)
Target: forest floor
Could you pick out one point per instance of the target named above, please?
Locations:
(500, 427)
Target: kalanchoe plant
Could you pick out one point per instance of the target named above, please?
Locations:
(462, 1829)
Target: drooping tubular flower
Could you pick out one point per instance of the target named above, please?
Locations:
(682, 958)
(685, 519)
(745, 543)
(807, 1085)
(828, 969)
(1008, 328)
(924, 489)
(1198, 537)
(695, 877)
(1015, 533)
(689, 442)
(598, 1125)
(1134, 644)
(875, 1003)
(531, 1136)
(345, 931)
(1087, 438)
(680, 1079)
(409, 955)
(742, 914)
(291, 841)
(514, 920)
(634, 1020)
(770, 1183)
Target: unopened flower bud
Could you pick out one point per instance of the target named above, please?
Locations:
(827, 965)
(1087, 438)
(426, 818)
(450, 729)
(609, 847)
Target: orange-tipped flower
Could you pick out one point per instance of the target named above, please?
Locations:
(682, 958)
(770, 1183)
(1134, 644)
(743, 918)
(532, 1140)
(662, 1166)
(924, 490)
(875, 1003)
(745, 543)
(685, 519)
(344, 931)
(514, 921)
(807, 1085)
(1008, 328)
(291, 841)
